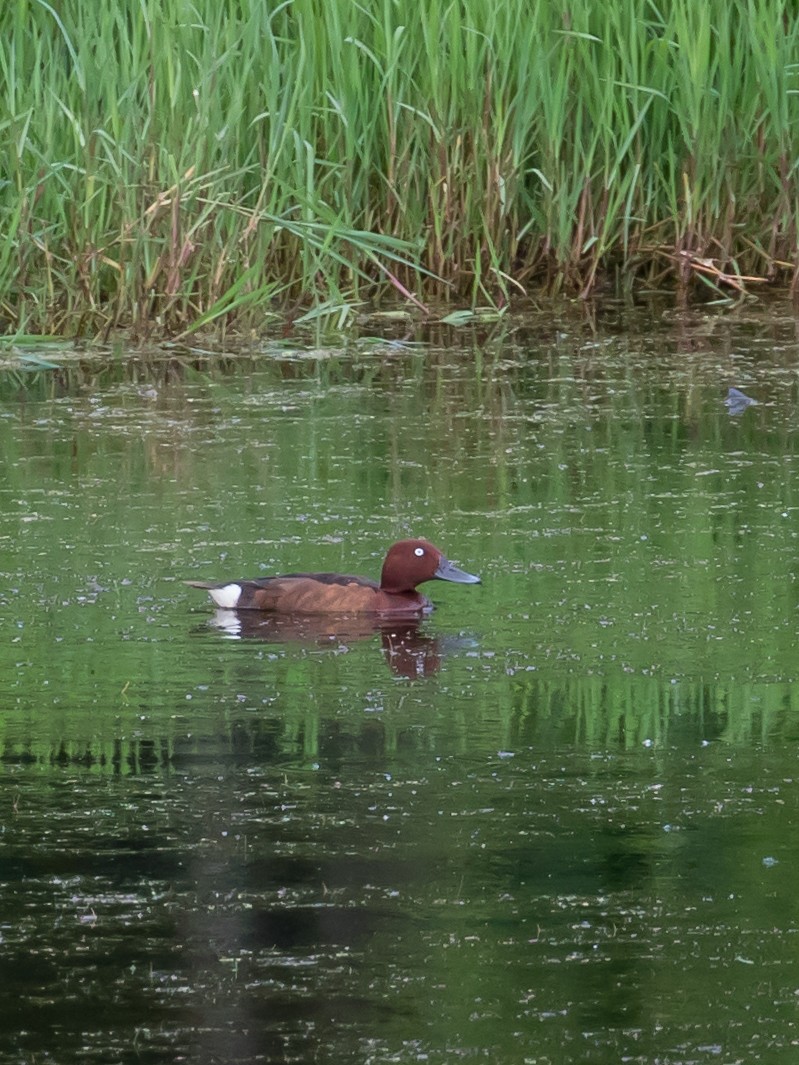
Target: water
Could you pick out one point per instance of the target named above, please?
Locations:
(555, 823)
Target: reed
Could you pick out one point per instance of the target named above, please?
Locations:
(171, 166)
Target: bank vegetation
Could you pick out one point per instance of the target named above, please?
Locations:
(170, 165)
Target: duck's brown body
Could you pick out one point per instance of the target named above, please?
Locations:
(407, 564)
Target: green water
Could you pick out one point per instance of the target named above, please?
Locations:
(555, 824)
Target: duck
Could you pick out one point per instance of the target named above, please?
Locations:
(408, 564)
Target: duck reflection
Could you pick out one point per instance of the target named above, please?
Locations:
(408, 651)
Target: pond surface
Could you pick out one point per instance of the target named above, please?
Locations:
(556, 822)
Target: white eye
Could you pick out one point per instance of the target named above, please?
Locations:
(418, 551)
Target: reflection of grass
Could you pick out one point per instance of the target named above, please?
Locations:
(323, 722)
(185, 165)
(23, 358)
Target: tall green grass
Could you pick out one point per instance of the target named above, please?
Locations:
(169, 164)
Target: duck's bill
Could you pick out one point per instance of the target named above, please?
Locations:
(447, 572)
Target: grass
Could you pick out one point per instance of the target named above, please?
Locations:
(179, 165)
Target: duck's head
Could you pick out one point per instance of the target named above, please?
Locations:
(411, 562)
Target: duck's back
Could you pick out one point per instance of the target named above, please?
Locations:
(310, 593)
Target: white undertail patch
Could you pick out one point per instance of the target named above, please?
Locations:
(226, 597)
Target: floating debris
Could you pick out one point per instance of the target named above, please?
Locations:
(737, 401)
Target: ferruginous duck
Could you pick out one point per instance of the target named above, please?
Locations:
(408, 563)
